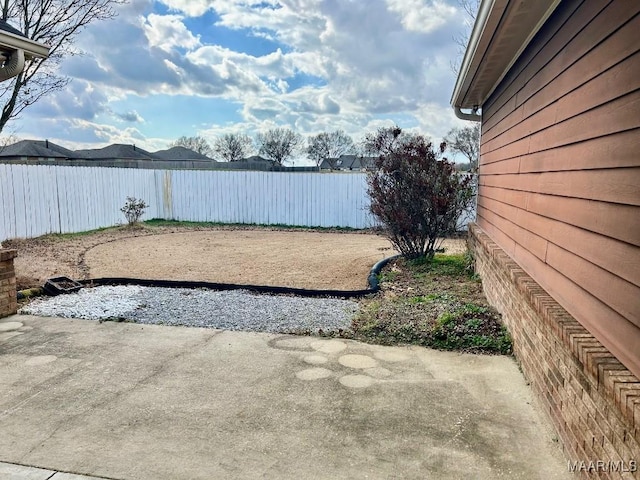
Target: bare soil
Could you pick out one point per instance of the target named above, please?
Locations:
(254, 255)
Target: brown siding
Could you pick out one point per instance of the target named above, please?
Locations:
(560, 167)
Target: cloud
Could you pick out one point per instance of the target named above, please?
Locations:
(335, 64)
(421, 16)
(167, 32)
(128, 63)
(191, 8)
(132, 117)
(74, 133)
(292, 22)
(78, 100)
(382, 70)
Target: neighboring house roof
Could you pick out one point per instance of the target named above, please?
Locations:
(347, 162)
(4, 26)
(129, 156)
(180, 153)
(257, 158)
(502, 30)
(343, 162)
(117, 150)
(332, 164)
(360, 163)
(325, 165)
(36, 148)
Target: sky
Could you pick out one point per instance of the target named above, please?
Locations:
(167, 68)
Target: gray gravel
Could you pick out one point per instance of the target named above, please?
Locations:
(229, 310)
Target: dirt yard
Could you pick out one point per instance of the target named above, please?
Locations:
(258, 256)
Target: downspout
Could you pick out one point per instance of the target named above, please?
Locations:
(12, 65)
(473, 116)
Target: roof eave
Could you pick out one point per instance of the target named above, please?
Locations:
(502, 31)
(31, 48)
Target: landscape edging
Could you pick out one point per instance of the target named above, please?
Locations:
(372, 280)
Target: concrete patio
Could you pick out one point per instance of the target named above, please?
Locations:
(126, 401)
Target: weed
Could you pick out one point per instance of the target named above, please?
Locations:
(436, 304)
(387, 276)
(473, 323)
(419, 299)
(473, 308)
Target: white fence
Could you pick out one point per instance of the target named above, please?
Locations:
(40, 199)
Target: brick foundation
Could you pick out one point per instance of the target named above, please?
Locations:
(590, 397)
(8, 299)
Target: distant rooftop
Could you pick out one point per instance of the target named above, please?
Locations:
(36, 148)
(116, 150)
(8, 28)
(180, 153)
(119, 154)
(257, 158)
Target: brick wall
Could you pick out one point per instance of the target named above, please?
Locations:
(591, 398)
(8, 299)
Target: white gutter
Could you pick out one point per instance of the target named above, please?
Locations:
(11, 41)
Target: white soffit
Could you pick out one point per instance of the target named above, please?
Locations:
(502, 30)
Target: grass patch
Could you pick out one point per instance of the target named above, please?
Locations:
(438, 304)
(149, 225)
(159, 222)
(19, 243)
(86, 233)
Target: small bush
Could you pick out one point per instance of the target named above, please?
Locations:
(133, 210)
(415, 193)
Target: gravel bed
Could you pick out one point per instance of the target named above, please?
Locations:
(228, 310)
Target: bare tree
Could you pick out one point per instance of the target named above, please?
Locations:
(55, 23)
(233, 147)
(197, 144)
(466, 141)
(469, 12)
(279, 144)
(329, 146)
(7, 140)
(385, 140)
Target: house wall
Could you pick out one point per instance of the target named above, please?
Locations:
(590, 397)
(559, 185)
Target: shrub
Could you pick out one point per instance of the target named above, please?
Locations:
(415, 193)
(133, 210)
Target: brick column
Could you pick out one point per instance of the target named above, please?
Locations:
(8, 299)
